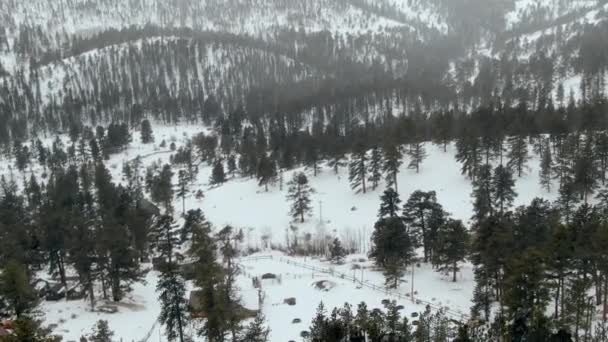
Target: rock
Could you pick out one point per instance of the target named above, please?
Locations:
(290, 301)
(110, 309)
(269, 276)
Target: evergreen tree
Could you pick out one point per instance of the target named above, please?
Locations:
(256, 331)
(101, 332)
(174, 307)
(469, 155)
(546, 168)
(585, 171)
(526, 288)
(161, 190)
(171, 286)
(392, 162)
(147, 136)
(337, 161)
(318, 326)
(182, 188)
(518, 154)
(393, 248)
(337, 252)
(483, 193)
(375, 167)
(389, 204)
(266, 171)
(503, 191)
(601, 152)
(451, 246)
(42, 153)
(423, 216)
(559, 262)
(298, 194)
(311, 155)
(417, 154)
(27, 329)
(232, 165)
(16, 292)
(217, 174)
(358, 169)
(568, 199)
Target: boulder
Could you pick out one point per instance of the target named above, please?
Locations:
(109, 309)
(269, 276)
(290, 301)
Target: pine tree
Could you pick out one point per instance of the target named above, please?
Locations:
(182, 188)
(161, 190)
(518, 154)
(417, 154)
(256, 331)
(585, 171)
(503, 191)
(101, 332)
(483, 193)
(559, 262)
(217, 174)
(337, 161)
(392, 163)
(318, 326)
(28, 329)
(451, 246)
(311, 156)
(568, 198)
(358, 169)
(375, 167)
(601, 152)
(232, 165)
(393, 248)
(389, 204)
(174, 307)
(469, 155)
(526, 289)
(266, 171)
(423, 216)
(16, 291)
(147, 136)
(171, 286)
(298, 194)
(337, 252)
(546, 168)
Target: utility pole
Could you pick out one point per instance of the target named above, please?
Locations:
(412, 294)
(320, 211)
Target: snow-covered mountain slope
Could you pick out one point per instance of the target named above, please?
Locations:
(243, 204)
(222, 66)
(236, 16)
(538, 11)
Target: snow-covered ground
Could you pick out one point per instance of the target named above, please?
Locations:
(299, 276)
(243, 204)
(135, 319)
